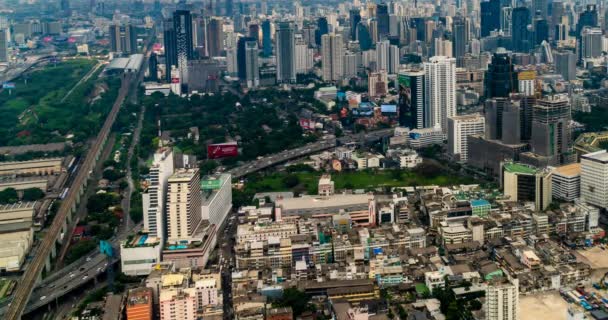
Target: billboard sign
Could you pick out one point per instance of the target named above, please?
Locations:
(388, 108)
(211, 184)
(8, 85)
(307, 124)
(222, 150)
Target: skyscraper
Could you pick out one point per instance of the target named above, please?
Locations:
(183, 205)
(520, 35)
(123, 38)
(285, 53)
(153, 67)
(440, 86)
(322, 29)
(266, 38)
(383, 20)
(355, 18)
(587, 18)
(170, 47)
(252, 71)
(565, 64)
(382, 55)
(412, 99)
(541, 7)
(594, 178)
(500, 77)
(459, 39)
(331, 55)
(551, 136)
(4, 45)
(459, 128)
(242, 57)
(182, 22)
(229, 8)
(541, 31)
(215, 37)
(591, 43)
(364, 36)
(490, 17)
(154, 213)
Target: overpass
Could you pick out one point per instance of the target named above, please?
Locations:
(314, 147)
(47, 250)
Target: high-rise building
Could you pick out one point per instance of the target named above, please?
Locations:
(383, 21)
(304, 57)
(254, 31)
(541, 7)
(594, 178)
(459, 39)
(154, 200)
(591, 43)
(502, 301)
(382, 55)
(412, 99)
(285, 53)
(377, 84)
(65, 7)
(440, 90)
(215, 37)
(541, 31)
(364, 36)
(170, 47)
(565, 64)
(140, 304)
(322, 29)
(4, 35)
(355, 18)
(331, 55)
(500, 76)
(153, 67)
(177, 304)
(442, 47)
(123, 38)
(526, 184)
(587, 18)
(520, 35)
(251, 64)
(506, 20)
(182, 22)
(394, 59)
(490, 17)
(551, 137)
(241, 57)
(459, 128)
(229, 8)
(266, 38)
(183, 205)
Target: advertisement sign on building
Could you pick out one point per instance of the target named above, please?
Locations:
(222, 150)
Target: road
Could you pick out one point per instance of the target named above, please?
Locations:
(84, 79)
(31, 274)
(310, 148)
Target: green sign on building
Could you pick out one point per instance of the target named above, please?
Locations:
(211, 184)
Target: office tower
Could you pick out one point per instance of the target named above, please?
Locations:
(215, 37)
(182, 21)
(363, 36)
(459, 128)
(349, 65)
(229, 8)
(557, 12)
(355, 18)
(241, 63)
(587, 18)
(591, 43)
(520, 35)
(411, 99)
(440, 87)
(4, 35)
(140, 304)
(252, 72)
(561, 32)
(331, 55)
(266, 38)
(541, 31)
(506, 19)
(178, 304)
(304, 57)
(606, 19)
(65, 7)
(383, 20)
(490, 17)
(493, 112)
(170, 47)
(394, 25)
(154, 200)
(594, 178)
(123, 38)
(153, 67)
(526, 82)
(377, 84)
(285, 53)
(373, 29)
(500, 75)
(382, 55)
(541, 7)
(322, 29)
(526, 184)
(551, 136)
(183, 205)
(442, 47)
(565, 64)
(394, 58)
(459, 39)
(254, 31)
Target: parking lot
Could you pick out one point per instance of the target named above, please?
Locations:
(548, 305)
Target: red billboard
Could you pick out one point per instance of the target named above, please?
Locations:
(222, 150)
(307, 124)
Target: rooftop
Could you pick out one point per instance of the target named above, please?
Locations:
(570, 170)
(601, 155)
(519, 168)
(337, 200)
(18, 206)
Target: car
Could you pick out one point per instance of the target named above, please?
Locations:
(42, 298)
(72, 275)
(85, 277)
(88, 259)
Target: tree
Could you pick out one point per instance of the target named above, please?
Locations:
(32, 194)
(8, 196)
(294, 298)
(453, 312)
(100, 202)
(402, 312)
(291, 181)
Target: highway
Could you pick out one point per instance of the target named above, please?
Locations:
(47, 245)
(325, 144)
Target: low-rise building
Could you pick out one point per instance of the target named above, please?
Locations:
(140, 254)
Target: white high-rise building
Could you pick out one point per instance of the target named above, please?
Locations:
(154, 200)
(252, 73)
(331, 54)
(502, 301)
(394, 57)
(592, 43)
(459, 128)
(440, 90)
(594, 178)
(443, 47)
(304, 57)
(382, 55)
(183, 205)
(231, 62)
(350, 64)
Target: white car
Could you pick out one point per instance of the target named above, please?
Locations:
(72, 275)
(85, 277)
(42, 298)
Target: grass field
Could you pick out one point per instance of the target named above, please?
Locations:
(33, 113)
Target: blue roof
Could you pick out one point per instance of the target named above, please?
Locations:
(480, 202)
